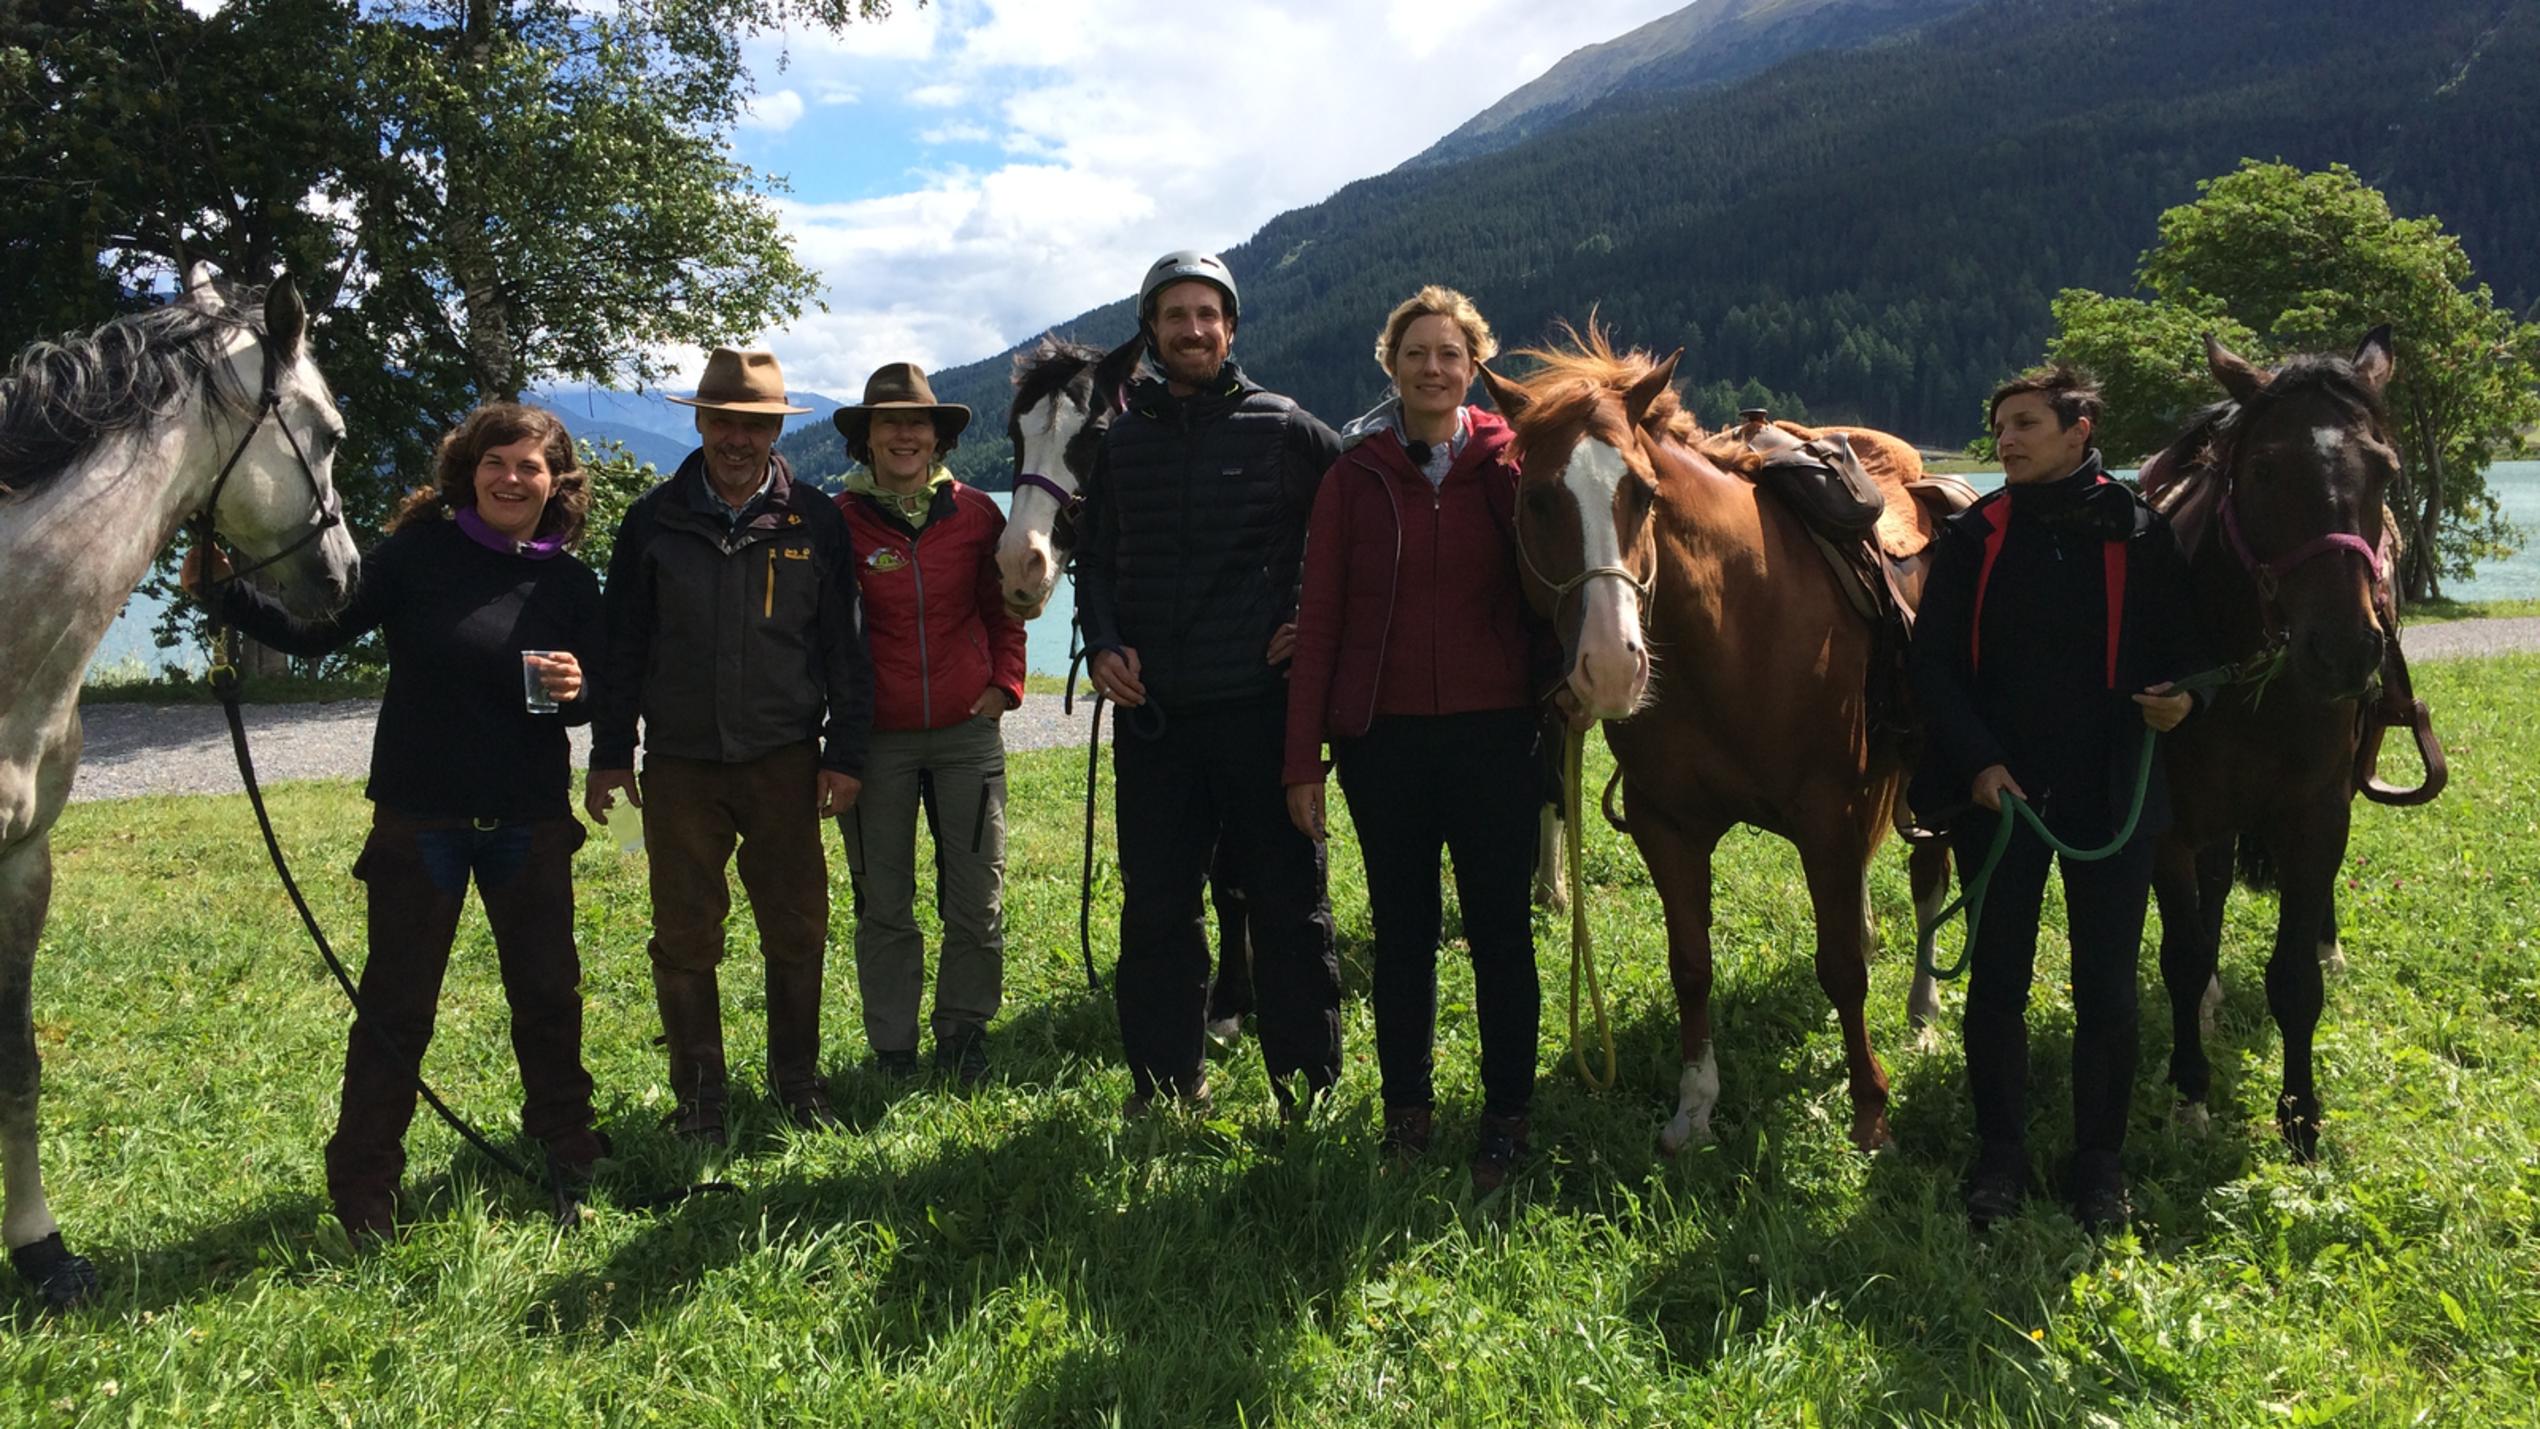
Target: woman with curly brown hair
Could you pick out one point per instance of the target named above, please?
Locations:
(489, 624)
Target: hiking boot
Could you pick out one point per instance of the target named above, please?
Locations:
(572, 1161)
(1997, 1183)
(1504, 1141)
(369, 1217)
(1163, 1096)
(1407, 1131)
(899, 1065)
(692, 1033)
(2098, 1196)
(793, 1043)
(964, 1057)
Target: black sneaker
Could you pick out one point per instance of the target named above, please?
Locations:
(1997, 1183)
(899, 1066)
(2097, 1188)
(965, 1057)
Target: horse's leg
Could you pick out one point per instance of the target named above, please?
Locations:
(1680, 865)
(1836, 863)
(1927, 869)
(2214, 874)
(2308, 855)
(1552, 869)
(2332, 951)
(34, 1241)
(2187, 968)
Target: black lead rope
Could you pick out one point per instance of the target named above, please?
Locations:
(1076, 654)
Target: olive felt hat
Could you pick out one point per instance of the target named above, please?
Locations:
(902, 387)
(737, 380)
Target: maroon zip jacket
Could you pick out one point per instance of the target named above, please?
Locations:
(1411, 602)
(934, 618)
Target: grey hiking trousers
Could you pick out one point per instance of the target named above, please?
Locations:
(956, 777)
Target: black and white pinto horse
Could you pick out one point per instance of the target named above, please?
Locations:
(108, 443)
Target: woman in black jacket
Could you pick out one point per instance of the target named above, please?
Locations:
(2055, 617)
(489, 625)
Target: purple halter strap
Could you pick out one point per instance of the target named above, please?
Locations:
(2279, 567)
(1066, 499)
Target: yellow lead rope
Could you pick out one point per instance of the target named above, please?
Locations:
(1582, 944)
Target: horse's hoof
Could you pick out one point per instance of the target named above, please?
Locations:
(66, 1281)
(1870, 1134)
(2300, 1127)
(1927, 1037)
(2333, 958)
(1682, 1132)
(2189, 1118)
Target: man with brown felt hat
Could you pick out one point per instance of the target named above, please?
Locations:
(733, 638)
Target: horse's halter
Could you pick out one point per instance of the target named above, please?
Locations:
(330, 506)
(2268, 573)
(1562, 590)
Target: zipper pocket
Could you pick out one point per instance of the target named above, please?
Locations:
(770, 612)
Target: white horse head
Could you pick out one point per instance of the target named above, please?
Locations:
(271, 487)
(1065, 395)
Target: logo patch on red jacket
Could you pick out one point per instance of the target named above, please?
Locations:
(884, 560)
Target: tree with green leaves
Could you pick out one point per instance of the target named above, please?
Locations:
(2275, 261)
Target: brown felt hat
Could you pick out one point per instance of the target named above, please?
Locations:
(742, 381)
(900, 386)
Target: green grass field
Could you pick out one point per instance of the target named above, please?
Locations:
(1015, 1256)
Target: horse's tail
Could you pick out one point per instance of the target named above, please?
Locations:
(2257, 866)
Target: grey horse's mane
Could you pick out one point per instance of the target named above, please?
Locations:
(59, 399)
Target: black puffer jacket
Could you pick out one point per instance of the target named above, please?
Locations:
(1194, 533)
(733, 642)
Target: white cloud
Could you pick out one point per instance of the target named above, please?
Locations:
(1129, 127)
(777, 111)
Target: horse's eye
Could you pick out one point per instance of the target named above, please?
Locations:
(1642, 492)
(1539, 501)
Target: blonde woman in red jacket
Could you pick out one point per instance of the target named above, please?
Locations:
(947, 665)
(1413, 658)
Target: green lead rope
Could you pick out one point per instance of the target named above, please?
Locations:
(2016, 811)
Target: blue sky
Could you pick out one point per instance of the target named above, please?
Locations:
(967, 173)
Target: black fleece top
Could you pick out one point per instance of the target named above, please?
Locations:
(455, 736)
(2040, 702)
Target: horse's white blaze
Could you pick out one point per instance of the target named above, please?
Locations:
(1027, 556)
(1697, 1092)
(2330, 441)
(1613, 668)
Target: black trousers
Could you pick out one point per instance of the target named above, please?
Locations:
(1464, 785)
(1212, 773)
(2104, 903)
(417, 872)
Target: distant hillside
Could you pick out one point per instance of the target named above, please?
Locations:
(1707, 42)
(1880, 230)
(651, 426)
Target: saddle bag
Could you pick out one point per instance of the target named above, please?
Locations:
(1825, 485)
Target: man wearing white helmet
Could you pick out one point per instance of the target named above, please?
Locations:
(1194, 532)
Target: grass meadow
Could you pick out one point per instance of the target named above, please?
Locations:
(1014, 1255)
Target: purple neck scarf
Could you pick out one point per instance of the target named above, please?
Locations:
(537, 548)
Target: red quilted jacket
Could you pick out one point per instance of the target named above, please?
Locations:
(934, 619)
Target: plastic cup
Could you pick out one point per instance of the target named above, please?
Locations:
(533, 685)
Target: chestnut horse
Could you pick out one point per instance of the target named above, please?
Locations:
(1699, 620)
(2277, 494)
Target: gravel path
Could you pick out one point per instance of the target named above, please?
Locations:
(184, 749)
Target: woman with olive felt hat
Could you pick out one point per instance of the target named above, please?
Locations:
(947, 665)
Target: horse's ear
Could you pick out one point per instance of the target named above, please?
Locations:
(199, 289)
(1507, 396)
(2237, 376)
(1112, 374)
(2375, 360)
(1645, 393)
(286, 319)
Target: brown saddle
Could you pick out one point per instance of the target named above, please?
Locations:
(1866, 503)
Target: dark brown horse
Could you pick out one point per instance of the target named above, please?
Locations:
(1700, 621)
(2277, 494)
